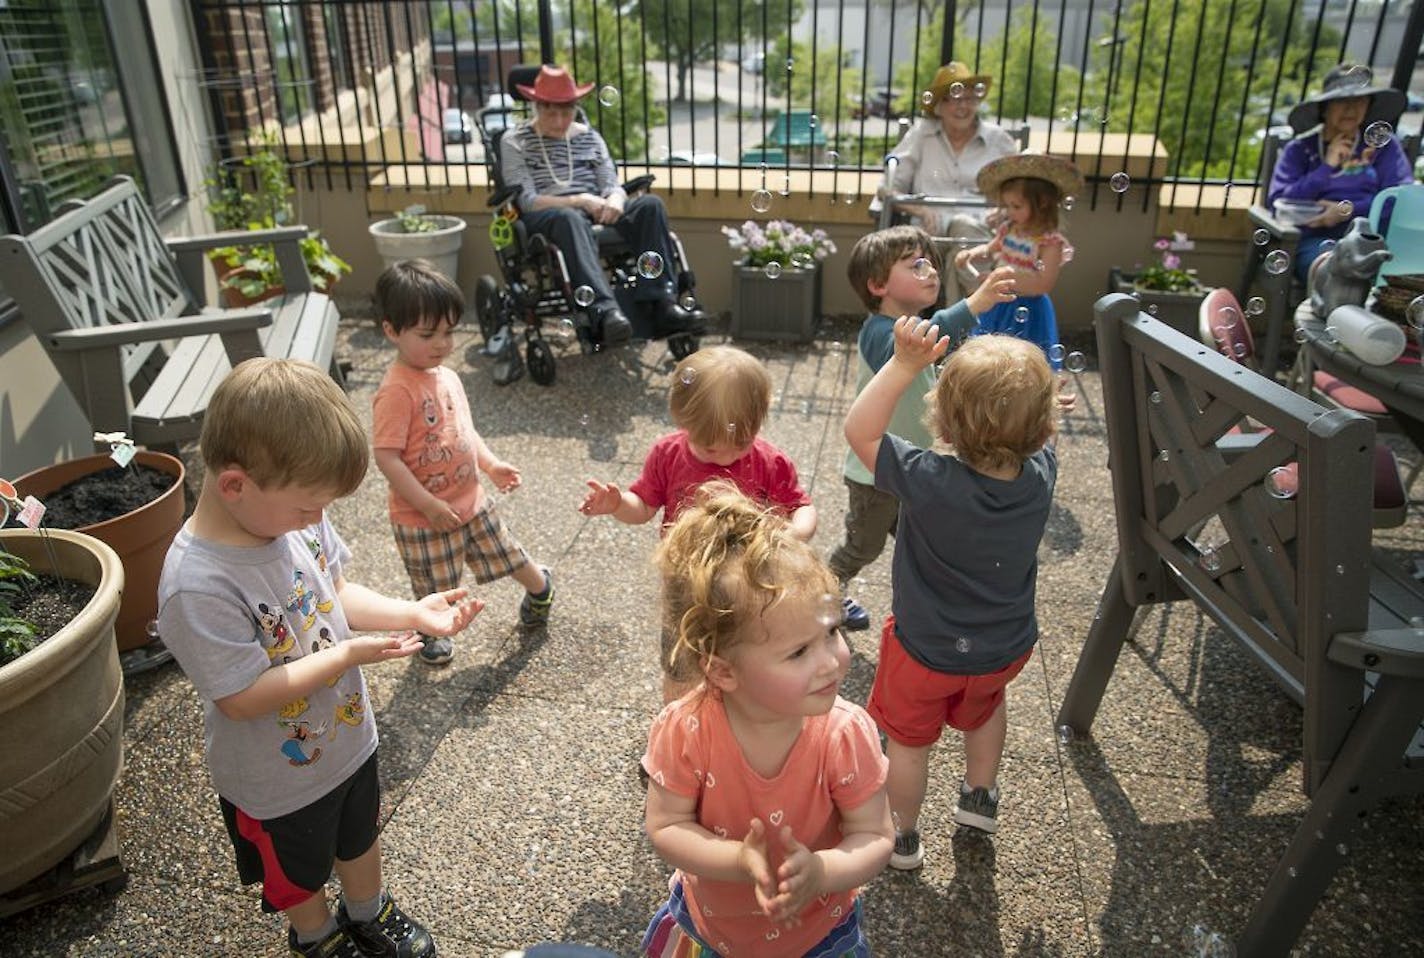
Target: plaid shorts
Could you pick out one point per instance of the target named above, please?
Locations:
(436, 560)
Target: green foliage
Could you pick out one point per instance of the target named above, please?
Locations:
(833, 71)
(17, 636)
(1197, 142)
(255, 193)
(1161, 279)
(614, 60)
(466, 19)
(695, 31)
(413, 219)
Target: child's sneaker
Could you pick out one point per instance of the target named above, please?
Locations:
(534, 611)
(436, 650)
(978, 808)
(854, 618)
(390, 933)
(909, 853)
(338, 944)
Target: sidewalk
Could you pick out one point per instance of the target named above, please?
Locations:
(513, 813)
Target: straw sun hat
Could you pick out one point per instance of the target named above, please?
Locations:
(1056, 170)
(947, 76)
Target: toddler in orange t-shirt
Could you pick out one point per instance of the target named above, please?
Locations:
(427, 448)
(766, 789)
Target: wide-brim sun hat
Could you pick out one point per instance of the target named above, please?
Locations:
(1055, 169)
(947, 76)
(554, 85)
(1342, 82)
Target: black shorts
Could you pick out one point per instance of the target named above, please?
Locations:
(292, 855)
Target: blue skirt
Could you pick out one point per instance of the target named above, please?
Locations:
(1037, 323)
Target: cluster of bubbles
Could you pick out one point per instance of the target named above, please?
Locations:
(1378, 134)
(1074, 362)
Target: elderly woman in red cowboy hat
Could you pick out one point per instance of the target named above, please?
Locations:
(567, 182)
(1344, 154)
(943, 153)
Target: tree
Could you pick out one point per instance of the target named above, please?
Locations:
(832, 71)
(1178, 58)
(695, 31)
(466, 20)
(609, 52)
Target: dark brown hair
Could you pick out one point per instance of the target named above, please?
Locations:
(414, 293)
(875, 254)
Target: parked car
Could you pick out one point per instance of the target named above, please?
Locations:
(459, 128)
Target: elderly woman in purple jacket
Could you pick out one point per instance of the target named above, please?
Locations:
(1347, 155)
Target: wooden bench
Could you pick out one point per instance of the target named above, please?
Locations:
(1293, 580)
(112, 302)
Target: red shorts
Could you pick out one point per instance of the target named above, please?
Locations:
(912, 704)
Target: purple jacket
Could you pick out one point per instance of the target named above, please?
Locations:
(1301, 174)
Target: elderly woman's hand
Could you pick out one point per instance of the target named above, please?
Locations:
(1339, 150)
(1333, 213)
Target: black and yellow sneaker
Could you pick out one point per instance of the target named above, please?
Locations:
(390, 934)
(338, 944)
(534, 609)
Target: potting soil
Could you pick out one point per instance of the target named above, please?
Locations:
(49, 605)
(104, 495)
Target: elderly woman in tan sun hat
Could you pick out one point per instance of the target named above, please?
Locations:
(942, 154)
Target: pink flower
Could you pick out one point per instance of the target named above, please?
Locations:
(1171, 260)
(1161, 244)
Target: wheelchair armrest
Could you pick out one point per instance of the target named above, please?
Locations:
(1265, 219)
(501, 196)
(639, 184)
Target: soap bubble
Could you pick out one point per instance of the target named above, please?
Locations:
(922, 268)
(802, 260)
(1414, 313)
(903, 123)
(1300, 335)
(1068, 204)
(688, 375)
(1261, 237)
(660, 153)
(772, 270)
(1075, 362)
(650, 264)
(1154, 397)
(785, 186)
(980, 89)
(829, 610)
(1055, 353)
(583, 420)
(927, 98)
(962, 645)
(1021, 314)
(1344, 207)
(1227, 317)
(761, 200)
(1377, 134)
(1066, 735)
(956, 90)
(833, 157)
(1209, 560)
(1241, 350)
(584, 296)
(1038, 265)
(850, 197)
(790, 64)
(1277, 262)
(1152, 308)
(609, 95)
(688, 302)
(1255, 306)
(1119, 182)
(1282, 483)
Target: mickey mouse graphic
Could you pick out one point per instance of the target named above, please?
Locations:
(270, 621)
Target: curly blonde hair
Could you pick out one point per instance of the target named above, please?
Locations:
(720, 394)
(724, 563)
(995, 401)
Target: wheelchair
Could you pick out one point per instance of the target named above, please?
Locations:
(536, 284)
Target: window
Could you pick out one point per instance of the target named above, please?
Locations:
(289, 56)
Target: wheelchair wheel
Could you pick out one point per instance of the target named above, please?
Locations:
(541, 361)
(682, 345)
(488, 305)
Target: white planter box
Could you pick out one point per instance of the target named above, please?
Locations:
(441, 247)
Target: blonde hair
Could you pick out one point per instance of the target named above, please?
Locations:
(875, 254)
(995, 401)
(724, 563)
(720, 394)
(285, 422)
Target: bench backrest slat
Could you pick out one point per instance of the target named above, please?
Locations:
(1281, 575)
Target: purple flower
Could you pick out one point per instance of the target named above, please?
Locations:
(1171, 260)
(1161, 244)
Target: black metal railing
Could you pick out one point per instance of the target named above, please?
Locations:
(783, 85)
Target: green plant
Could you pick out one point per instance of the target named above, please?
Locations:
(17, 636)
(255, 193)
(1167, 276)
(414, 219)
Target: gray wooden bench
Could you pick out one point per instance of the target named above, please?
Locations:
(1293, 580)
(113, 303)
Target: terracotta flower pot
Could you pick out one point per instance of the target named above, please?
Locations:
(141, 538)
(61, 714)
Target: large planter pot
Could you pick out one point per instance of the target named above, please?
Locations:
(441, 247)
(141, 538)
(784, 307)
(61, 714)
(1178, 310)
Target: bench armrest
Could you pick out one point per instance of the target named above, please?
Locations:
(207, 241)
(1386, 651)
(103, 337)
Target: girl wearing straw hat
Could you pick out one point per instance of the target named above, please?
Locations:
(1029, 187)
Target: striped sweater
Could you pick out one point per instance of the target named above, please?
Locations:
(543, 165)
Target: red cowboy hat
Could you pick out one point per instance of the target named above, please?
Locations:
(553, 85)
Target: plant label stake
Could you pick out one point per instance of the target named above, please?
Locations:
(121, 447)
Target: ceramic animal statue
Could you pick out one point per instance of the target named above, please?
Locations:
(1345, 275)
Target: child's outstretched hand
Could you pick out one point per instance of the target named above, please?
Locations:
(753, 860)
(505, 477)
(603, 499)
(918, 342)
(370, 649)
(800, 876)
(445, 613)
(1000, 286)
(1067, 398)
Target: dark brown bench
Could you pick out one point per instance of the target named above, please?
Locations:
(113, 303)
(1293, 580)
